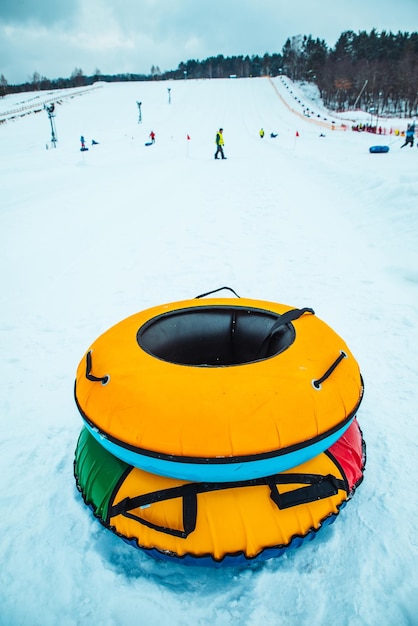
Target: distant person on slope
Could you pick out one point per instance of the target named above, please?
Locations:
(261, 133)
(152, 136)
(219, 144)
(83, 144)
(409, 135)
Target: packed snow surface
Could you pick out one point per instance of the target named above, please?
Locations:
(308, 218)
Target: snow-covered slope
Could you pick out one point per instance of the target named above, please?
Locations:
(308, 218)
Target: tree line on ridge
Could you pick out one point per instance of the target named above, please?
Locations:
(369, 71)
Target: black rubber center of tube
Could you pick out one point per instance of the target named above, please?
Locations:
(215, 336)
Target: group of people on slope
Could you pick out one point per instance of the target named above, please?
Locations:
(262, 133)
(219, 140)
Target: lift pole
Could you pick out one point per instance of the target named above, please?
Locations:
(50, 110)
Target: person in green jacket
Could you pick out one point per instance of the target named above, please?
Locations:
(220, 144)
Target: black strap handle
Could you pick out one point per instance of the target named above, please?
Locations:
(282, 320)
(208, 293)
(318, 487)
(95, 379)
(318, 382)
(286, 318)
(187, 492)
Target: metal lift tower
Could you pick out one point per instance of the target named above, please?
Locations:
(50, 110)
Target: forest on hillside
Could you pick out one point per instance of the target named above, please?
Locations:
(368, 71)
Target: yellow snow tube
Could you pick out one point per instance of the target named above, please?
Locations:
(198, 520)
(218, 389)
(219, 523)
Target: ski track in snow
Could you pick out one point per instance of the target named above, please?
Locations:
(90, 238)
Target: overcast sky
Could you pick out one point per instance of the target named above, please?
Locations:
(53, 37)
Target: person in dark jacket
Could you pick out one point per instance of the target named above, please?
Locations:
(220, 144)
(409, 135)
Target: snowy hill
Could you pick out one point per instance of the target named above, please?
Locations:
(308, 218)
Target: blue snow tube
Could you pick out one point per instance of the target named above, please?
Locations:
(378, 149)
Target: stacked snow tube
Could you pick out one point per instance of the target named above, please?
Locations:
(218, 431)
